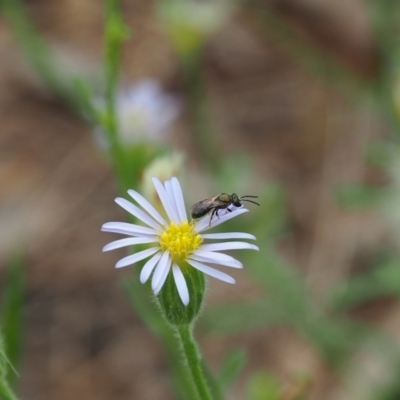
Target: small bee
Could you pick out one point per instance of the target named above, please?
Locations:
(216, 203)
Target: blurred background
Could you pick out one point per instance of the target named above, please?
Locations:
(302, 97)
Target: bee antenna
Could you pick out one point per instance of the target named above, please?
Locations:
(250, 201)
(247, 195)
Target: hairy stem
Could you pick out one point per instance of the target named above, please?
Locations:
(192, 359)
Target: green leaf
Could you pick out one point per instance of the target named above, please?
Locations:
(380, 153)
(84, 93)
(334, 338)
(380, 281)
(5, 392)
(284, 284)
(263, 386)
(231, 367)
(240, 316)
(360, 196)
(37, 51)
(12, 314)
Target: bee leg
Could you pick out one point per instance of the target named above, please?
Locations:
(215, 211)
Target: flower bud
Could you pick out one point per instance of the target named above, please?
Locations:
(175, 312)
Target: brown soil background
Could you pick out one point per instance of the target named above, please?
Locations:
(82, 339)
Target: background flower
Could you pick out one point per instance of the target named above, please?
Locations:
(144, 112)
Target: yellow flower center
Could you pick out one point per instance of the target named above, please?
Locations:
(180, 241)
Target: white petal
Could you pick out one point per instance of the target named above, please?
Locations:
(162, 194)
(148, 267)
(136, 257)
(127, 229)
(171, 197)
(180, 202)
(162, 280)
(161, 272)
(228, 246)
(203, 224)
(129, 242)
(229, 235)
(137, 212)
(211, 271)
(216, 258)
(181, 284)
(147, 206)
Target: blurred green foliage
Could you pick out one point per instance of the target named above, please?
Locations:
(283, 298)
(231, 367)
(12, 324)
(263, 386)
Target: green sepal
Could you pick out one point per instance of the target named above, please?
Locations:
(174, 311)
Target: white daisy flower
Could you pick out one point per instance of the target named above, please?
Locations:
(144, 113)
(177, 244)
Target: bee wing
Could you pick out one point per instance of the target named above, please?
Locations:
(204, 203)
(203, 207)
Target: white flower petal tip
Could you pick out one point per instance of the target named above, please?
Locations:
(129, 242)
(181, 285)
(212, 272)
(180, 202)
(137, 212)
(155, 180)
(172, 201)
(215, 258)
(147, 206)
(132, 259)
(125, 228)
(165, 199)
(148, 268)
(161, 273)
(104, 227)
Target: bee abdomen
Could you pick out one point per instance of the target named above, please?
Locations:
(198, 212)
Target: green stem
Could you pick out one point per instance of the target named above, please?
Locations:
(383, 20)
(5, 391)
(12, 315)
(115, 33)
(127, 175)
(193, 361)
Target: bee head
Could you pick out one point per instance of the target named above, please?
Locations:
(236, 200)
